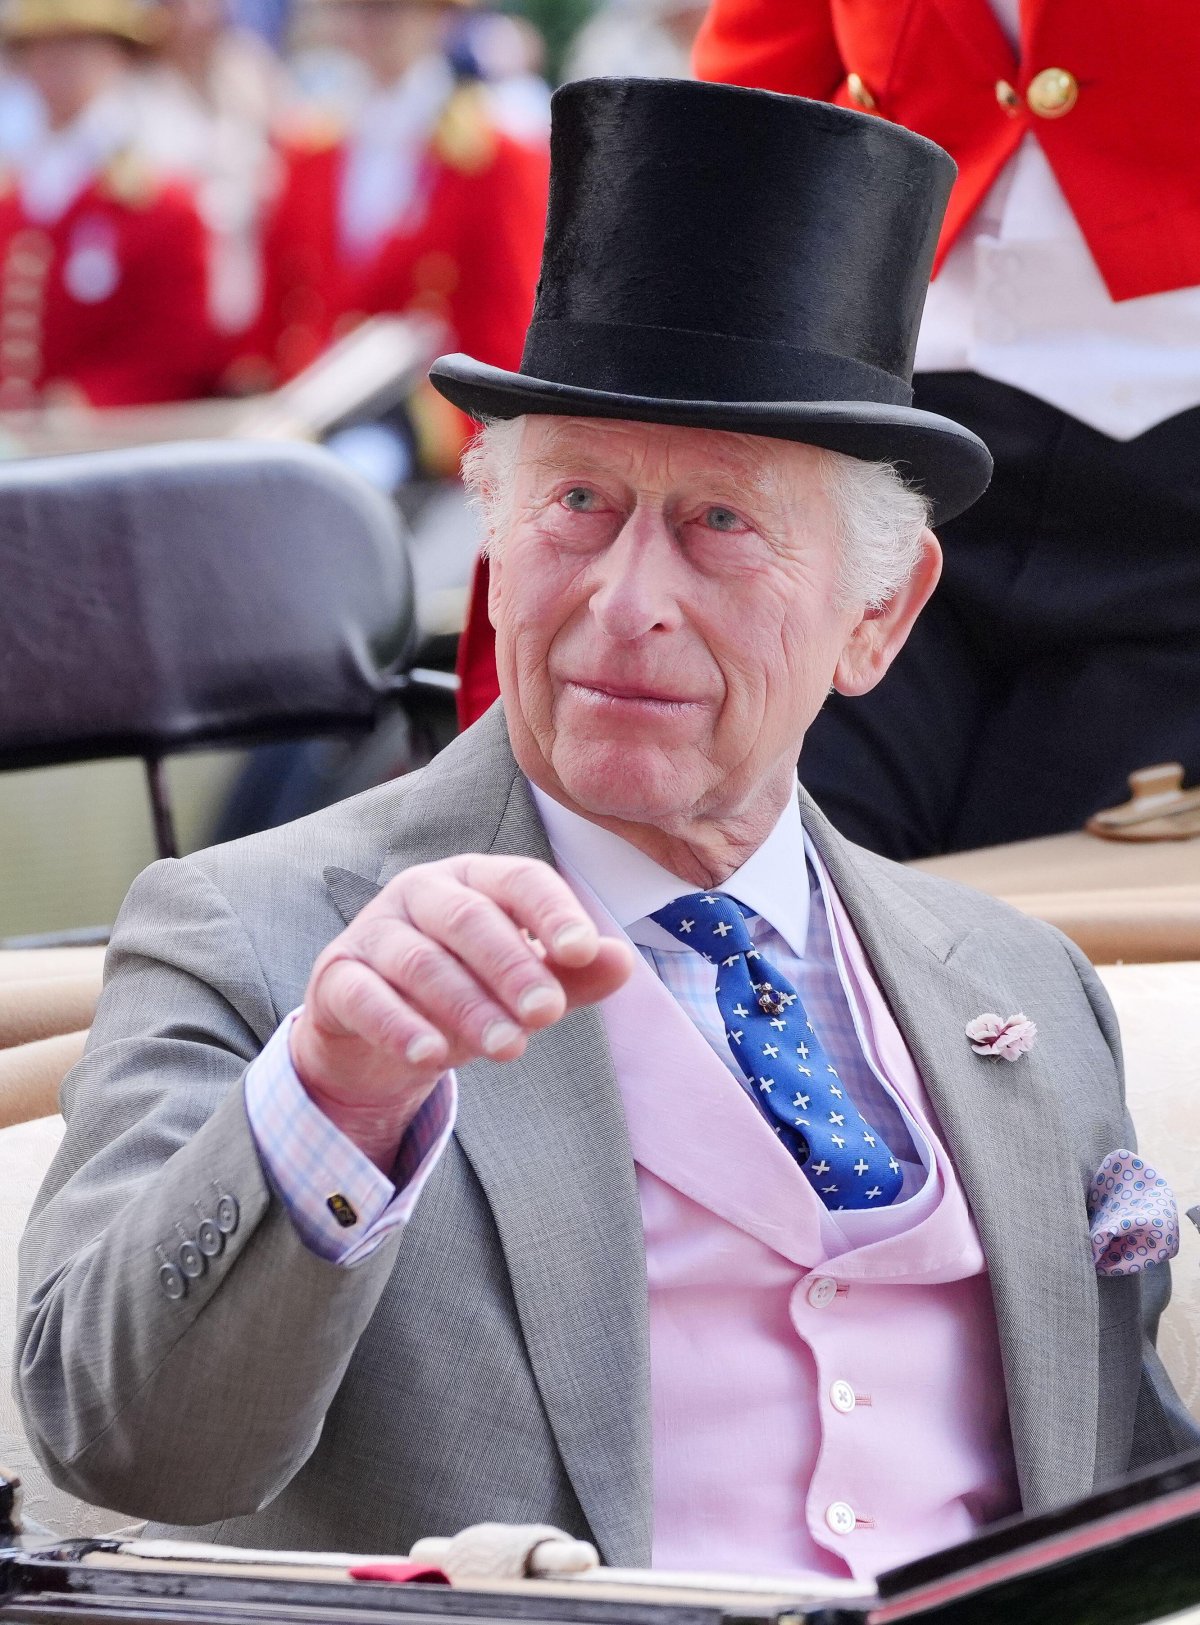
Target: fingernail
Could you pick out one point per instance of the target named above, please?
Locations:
(423, 1048)
(538, 1001)
(573, 936)
(499, 1036)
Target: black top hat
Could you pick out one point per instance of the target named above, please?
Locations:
(736, 259)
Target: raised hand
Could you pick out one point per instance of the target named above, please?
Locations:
(452, 961)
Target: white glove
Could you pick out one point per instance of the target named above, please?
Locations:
(507, 1551)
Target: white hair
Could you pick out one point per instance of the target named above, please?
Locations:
(489, 471)
(880, 518)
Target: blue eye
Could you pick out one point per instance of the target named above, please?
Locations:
(580, 499)
(721, 519)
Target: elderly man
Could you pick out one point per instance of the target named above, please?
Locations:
(580, 1131)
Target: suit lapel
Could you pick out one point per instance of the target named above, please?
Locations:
(1005, 1130)
(547, 1139)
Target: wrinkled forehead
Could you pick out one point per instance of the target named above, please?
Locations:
(659, 455)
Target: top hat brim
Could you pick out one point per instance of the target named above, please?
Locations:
(942, 459)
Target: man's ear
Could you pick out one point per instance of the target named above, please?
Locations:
(494, 569)
(882, 633)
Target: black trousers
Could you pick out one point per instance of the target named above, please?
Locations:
(1060, 652)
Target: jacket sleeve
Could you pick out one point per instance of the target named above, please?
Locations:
(185, 1397)
(785, 45)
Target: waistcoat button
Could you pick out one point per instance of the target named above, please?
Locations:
(822, 1292)
(841, 1397)
(840, 1517)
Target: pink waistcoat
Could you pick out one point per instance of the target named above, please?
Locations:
(826, 1390)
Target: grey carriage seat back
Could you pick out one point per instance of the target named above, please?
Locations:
(173, 596)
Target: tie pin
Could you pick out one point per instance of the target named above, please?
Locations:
(769, 1001)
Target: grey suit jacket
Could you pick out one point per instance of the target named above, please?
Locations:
(492, 1362)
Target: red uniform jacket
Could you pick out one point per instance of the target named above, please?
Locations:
(1126, 153)
(468, 252)
(109, 301)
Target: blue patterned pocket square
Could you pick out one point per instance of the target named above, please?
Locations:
(1133, 1218)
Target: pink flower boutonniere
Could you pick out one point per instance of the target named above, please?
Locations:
(990, 1034)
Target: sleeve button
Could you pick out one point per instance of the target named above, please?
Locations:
(228, 1214)
(191, 1260)
(170, 1278)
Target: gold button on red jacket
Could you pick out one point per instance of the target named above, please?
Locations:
(1100, 83)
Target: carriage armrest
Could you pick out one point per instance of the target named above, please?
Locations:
(1119, 902)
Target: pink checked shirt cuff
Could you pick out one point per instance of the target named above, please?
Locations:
(308, 1160)
(1133, 1217)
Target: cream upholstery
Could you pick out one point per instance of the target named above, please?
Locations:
(1159, 1007)
(1121, 901)
(47, 1000)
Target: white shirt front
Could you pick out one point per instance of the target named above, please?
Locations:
(55, 172)
(632, 886)
(384, 154)
(1020, 299)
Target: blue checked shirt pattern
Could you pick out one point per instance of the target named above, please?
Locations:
(775, 1043)
(308, 1160)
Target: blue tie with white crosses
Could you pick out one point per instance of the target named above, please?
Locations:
(845, 1161)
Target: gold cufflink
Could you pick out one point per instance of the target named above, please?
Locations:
(341, 1210)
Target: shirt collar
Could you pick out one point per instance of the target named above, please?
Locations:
(65, 161)
(632, 886)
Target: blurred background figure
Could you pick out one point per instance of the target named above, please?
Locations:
(328, 85)
(102, 298)
(647, 38)
(207, 104)
(509, 56)
(1062, 649)
(423, 205)
(103, 288)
